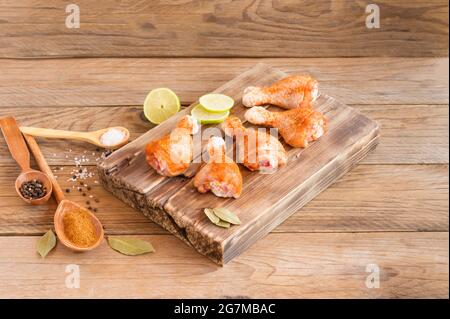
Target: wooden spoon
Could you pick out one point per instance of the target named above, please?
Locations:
(64, 205)
(94, 137)
(20, 153)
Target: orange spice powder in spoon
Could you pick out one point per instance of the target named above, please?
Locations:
(79, 228)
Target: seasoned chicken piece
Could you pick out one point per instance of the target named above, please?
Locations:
(220, 175)
(298, 127)
(288, 93)
(256, 150)
(172, 154)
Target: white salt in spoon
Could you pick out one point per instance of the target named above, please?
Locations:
(110, 138)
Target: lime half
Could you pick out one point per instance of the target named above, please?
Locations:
(160, 104)
(205, 117)
(217, 103)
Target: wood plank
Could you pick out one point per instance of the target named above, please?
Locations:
(176, 206)
(411, 134)
(119, 82)
(222, 28)
(371, 198)
(412, 265)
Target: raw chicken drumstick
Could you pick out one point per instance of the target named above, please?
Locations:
(220, 175)
(298, 127)
(288, 93)
(172, 154)
(258, 151)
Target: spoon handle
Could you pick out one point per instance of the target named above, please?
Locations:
(15, 142)
(42, 163)
(50, 133)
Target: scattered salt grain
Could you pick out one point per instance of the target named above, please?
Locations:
(80, 174)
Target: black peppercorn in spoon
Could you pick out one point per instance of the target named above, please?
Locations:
(38, 185)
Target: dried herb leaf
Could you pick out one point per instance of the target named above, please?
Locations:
(130, 246)
(212, 217)
(225, 215)
(223, 224)
(46, 243)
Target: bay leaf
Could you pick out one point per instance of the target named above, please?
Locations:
(223, 224)
(227, 216)
(130, 246)
(46, 243)
(212, 217)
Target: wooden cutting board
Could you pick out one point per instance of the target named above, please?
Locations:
(267, 200)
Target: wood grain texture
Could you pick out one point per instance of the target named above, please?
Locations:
(248, 28)
(119, 82)
(372, 198)
(412, 265)
(405, 198)
(174, 204)
(412, 134)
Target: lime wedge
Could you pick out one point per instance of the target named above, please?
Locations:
(206, 117)
(160, 104)
(217, 103)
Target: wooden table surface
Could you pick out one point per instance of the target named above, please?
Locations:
(391, 211)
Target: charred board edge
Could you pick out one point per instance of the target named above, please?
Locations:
(222, 253)
(143, 203)
(139, 202)
(216, 251)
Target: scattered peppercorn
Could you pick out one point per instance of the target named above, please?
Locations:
(89, 188)
(88, 202)
(67, 190)
(95, 210)
(96, 200)
(84, 194)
